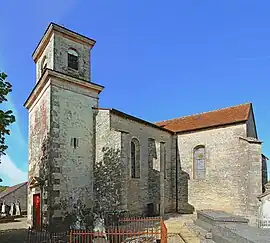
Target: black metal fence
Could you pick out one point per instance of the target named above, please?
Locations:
(44, 236)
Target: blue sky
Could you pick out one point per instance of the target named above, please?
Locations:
(156, 59)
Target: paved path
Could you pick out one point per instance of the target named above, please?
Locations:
(181, 229)
(177, 232)
(13, 232)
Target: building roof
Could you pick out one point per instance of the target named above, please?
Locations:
(125, 115)
(221, 117)
(225, 116)
(11, 189)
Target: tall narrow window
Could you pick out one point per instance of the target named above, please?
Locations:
(135, 158)
(74, 142)
(165, 163)
(73, 58)
(199, 162)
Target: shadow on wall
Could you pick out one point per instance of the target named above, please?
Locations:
(153, 180)
(108, 179)
(107, 185)
(183, 205)
(107, 174)
(264, 172)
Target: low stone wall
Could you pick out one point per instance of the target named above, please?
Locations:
(207, 219)
(228, 228)
(239, 233)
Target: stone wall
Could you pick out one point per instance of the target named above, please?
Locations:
(47, 54)
(39, 127)
(254, 179)
(60, 62)
(232, 165)
(239, 233)
(72, 137)
(109, 170)
(146, 189)
(19, 194)
(229, 228)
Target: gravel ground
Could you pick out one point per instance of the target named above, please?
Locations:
(14, 232)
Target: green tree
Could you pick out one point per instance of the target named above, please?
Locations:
(6, 117)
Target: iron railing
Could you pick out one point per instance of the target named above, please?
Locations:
(138, 229)
(44, 236)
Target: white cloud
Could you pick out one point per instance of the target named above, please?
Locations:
(17, 144)
(9, 170)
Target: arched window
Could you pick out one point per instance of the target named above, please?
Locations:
(43, 64)
(199, 162)
(135, 158)
(73, 58)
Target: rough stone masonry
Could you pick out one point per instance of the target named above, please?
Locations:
(82, 156)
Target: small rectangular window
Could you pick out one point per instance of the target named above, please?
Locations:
(72, 61)
(74, 142)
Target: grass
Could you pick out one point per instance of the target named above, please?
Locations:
(2, 188)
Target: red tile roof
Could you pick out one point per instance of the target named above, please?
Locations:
(225, 116)
(11, 189)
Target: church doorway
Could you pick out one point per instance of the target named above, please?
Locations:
(36, 211)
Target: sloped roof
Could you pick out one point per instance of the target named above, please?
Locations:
(11, 189)
(225, 116)
(125, 115)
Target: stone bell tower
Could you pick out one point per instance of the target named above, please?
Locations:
(61, 127)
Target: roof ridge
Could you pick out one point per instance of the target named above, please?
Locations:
(196, 114)
(15, 188)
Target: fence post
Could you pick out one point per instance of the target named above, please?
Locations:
(163, 231)
(70, 236)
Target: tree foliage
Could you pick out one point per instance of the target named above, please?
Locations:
(6, 117)
(107, 180)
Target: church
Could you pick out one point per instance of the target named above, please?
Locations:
(82, 155)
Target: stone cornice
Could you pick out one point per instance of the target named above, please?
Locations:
(120, 130)
(251, 140)
(46, 80)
